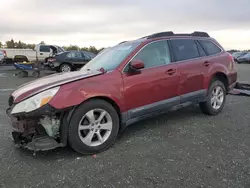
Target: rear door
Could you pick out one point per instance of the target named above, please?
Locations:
(156, 86)
(191, 62)
(75, 57)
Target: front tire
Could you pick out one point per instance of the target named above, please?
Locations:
(94, 127)
(216, 98)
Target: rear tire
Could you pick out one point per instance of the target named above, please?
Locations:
(36, 74)
(22, 74)
(88, 135)
(216, 98)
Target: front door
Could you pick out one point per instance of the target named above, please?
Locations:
(156, 86)
(44, 52)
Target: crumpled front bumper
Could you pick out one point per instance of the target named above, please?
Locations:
(21, 125)
(29, 133)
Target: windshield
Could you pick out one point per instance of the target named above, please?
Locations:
(110, 58)
(60, 49)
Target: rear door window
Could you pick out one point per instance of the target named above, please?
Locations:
(74, 55)
(210, 47)
(184, 49)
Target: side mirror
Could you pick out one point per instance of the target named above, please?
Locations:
(135, 66)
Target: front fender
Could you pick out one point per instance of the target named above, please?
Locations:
(73, 94)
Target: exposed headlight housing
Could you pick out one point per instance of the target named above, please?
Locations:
(35, 102)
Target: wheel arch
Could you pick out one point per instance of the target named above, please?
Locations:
(20, 57)
(66, 116)
(67, 63)
(222, 77)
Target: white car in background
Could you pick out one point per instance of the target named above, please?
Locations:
(1, 57)
(40, 53)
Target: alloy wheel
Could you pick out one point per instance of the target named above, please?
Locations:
(217, 97)
(66, 68)
(95, 127)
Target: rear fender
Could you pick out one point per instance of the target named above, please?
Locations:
(213, 70)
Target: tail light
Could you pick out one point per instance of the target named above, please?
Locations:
(52, 60)
(231, 61)
(4, 53)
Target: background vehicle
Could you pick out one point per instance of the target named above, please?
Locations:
(124, 84)
(236, 55)
(244, 59)
(40, 53)
(68, 61)
(1, 57)
(25, 68)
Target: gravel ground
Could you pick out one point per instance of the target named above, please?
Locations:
(180, 149)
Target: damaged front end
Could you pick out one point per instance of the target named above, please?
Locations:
(37, 133)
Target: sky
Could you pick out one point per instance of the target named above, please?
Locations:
(104, 23)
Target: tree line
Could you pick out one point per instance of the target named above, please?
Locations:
(21, 45)
(234, 50)
(93, 49)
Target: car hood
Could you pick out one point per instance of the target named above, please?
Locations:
(47, 82)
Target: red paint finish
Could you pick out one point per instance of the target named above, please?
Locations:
(108, 85)
(192, 73)
(151, 85)
(129, 91)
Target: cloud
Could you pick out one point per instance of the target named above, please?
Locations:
(111, 20)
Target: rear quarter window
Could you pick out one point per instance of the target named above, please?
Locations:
(210, 47)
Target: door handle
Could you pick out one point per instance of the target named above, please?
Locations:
(206, 64)
(41, 53)
(171, 71)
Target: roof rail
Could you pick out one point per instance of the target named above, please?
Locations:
(200, 34)
(122, 42)
(170, 33)
(162, 34)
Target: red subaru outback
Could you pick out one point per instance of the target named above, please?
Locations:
(122, 85)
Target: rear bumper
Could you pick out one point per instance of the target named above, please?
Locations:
(231, 87)
(52, 66)
(232, 80)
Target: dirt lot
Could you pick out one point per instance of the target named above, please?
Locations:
(181, 149)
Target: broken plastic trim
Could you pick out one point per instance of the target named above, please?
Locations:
(241, 89)
(51, 125)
